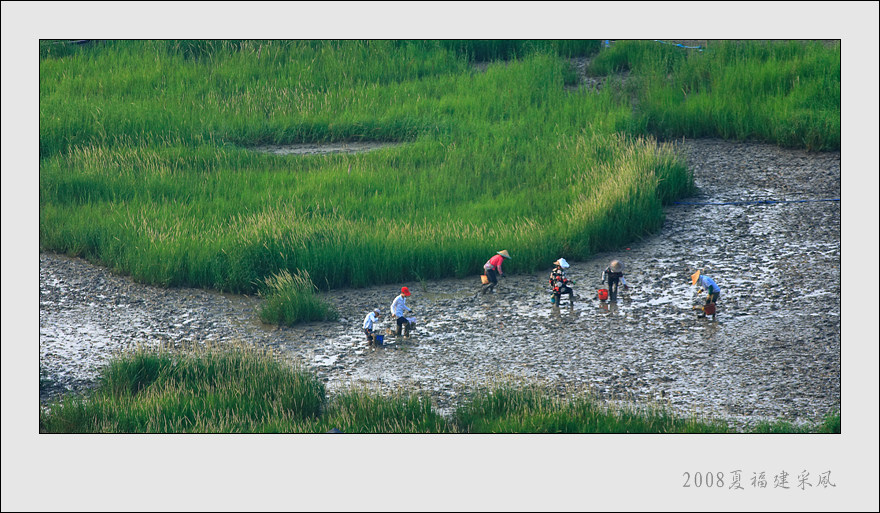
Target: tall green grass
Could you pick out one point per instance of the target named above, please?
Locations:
(241, 389)
(508, 407)
(782, 92)
(148, 172)
(233, 389)
(289, 299)
(146, 164)
(506, 49)
(830, 424)
(359, 410)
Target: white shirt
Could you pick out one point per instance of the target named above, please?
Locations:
(398, 306)
(369, 320)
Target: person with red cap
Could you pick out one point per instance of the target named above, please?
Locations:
(399, 309)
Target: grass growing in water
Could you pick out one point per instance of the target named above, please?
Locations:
(240, 389)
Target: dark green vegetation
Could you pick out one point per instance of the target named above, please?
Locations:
(782, 92)
(242, 390)
(145, 166)
(532, 408)
(830, 424)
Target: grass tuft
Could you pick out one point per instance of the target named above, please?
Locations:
(289, 299)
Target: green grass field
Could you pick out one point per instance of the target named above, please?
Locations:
(781, 92)
(244, 390)
(146, 163)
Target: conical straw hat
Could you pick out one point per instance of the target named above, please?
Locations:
(695, 277)
(504, 253)
(616, 266)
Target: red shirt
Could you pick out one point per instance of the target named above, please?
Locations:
(495, 261)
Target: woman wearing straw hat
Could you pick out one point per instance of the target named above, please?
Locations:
(614, 275)
(560, 283)
(399, 309)
(708, 284)
(369, 320)
(493, 270)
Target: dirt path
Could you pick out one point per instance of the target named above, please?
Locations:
(772, 353)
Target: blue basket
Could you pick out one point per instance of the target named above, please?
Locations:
(380, 338)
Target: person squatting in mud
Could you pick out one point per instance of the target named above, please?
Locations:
(613, 274)
(713, 292)
(560, 283)
(399, 310)
(493, 270)
(369, 321)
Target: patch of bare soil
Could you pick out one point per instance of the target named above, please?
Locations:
(322, 148)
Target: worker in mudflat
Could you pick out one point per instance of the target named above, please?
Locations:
(613, 274)
(399, 310)
(369, 322)
(713, 291)
(560, 283)
(493, 270)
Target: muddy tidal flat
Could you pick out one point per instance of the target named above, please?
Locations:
(765, 224)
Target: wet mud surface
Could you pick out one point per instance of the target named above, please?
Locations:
(772, 353)
(322, 149)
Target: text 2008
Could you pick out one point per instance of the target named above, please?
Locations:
(703, 479)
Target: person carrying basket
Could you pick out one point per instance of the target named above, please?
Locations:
(614, 275)
(493, 270)
(713, 292)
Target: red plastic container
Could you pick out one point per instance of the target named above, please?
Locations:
(709, 309)
(603, 294)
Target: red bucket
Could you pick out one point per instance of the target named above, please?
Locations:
(603, 294)
(709, 309)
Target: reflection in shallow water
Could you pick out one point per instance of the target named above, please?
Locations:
(608, 307)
